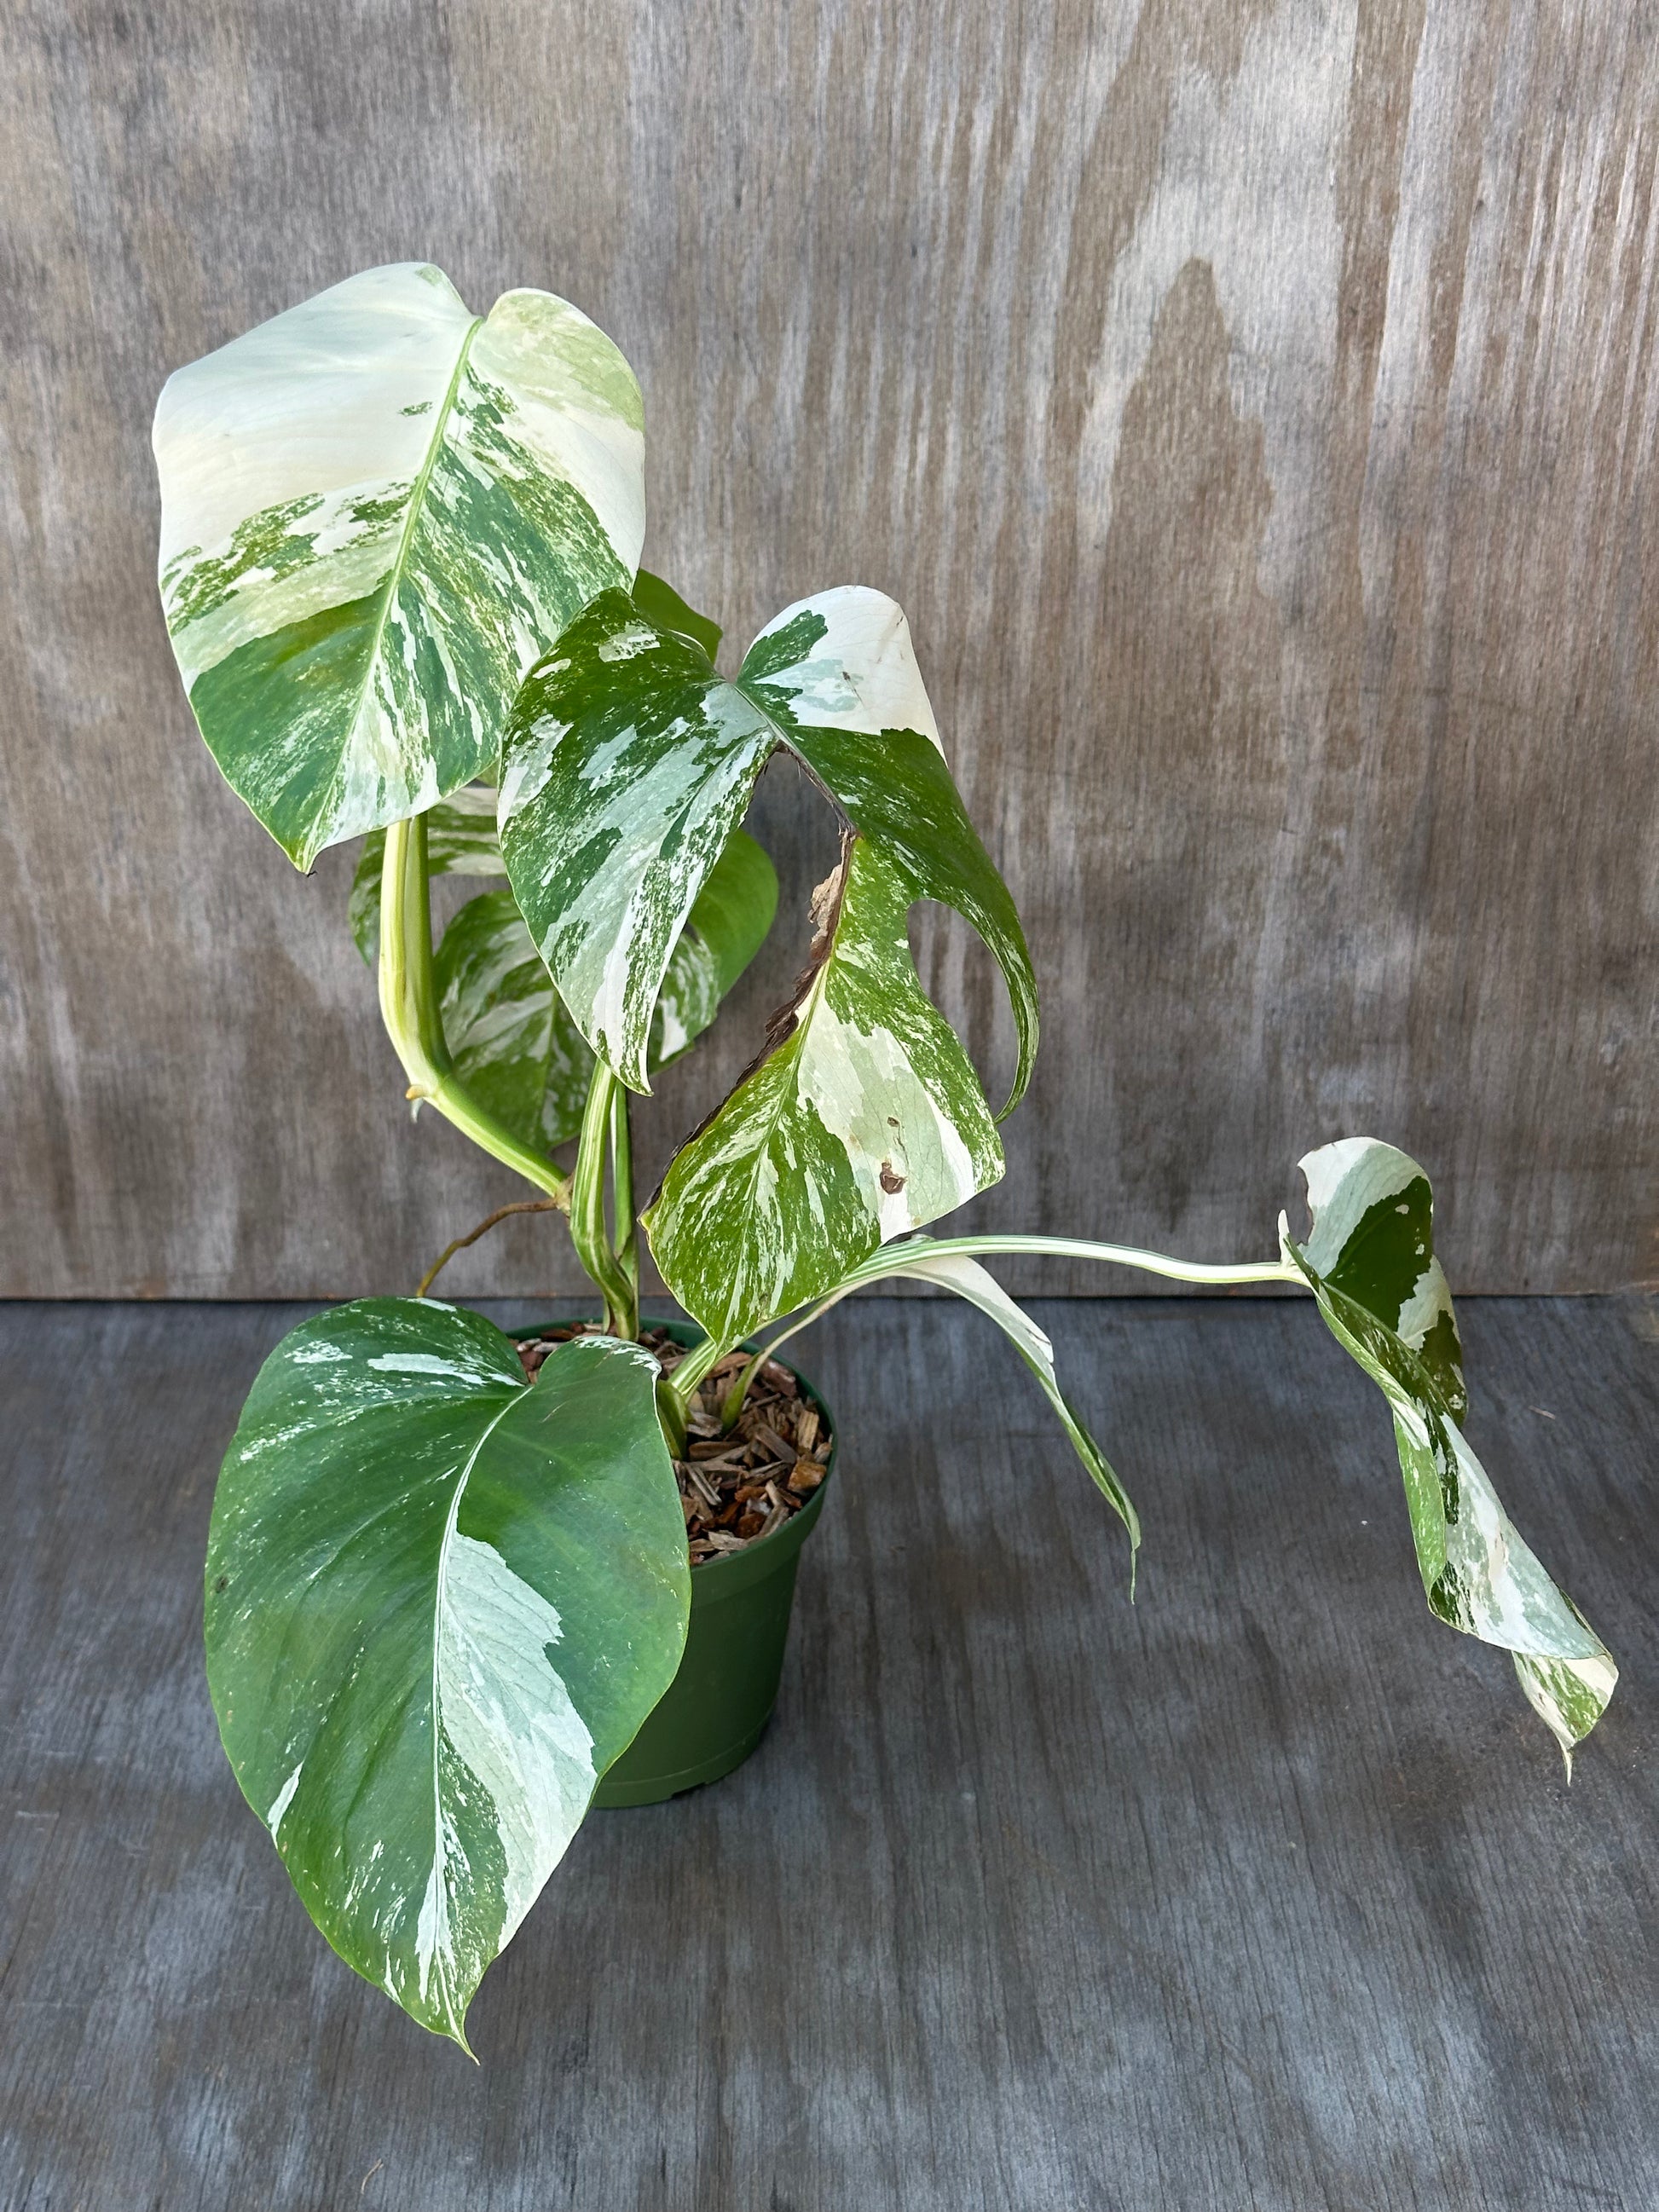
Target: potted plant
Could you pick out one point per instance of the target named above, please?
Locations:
(451, 1574)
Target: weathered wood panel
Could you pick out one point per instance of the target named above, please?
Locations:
(1264, 1892)
(1253, 405)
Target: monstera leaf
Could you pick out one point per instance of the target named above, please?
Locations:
(626, 761)
(1369, 1262)
(376, 510)
(863, 1120)
(514, 1044)
(440, 1602)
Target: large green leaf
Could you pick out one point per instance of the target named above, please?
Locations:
(460, 841)
(439, 1603)
(376, 510)
(627, 760)
(514, 1045)
(1369, 1262)
(863, 1119)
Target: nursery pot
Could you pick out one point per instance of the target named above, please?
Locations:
(714, 1711)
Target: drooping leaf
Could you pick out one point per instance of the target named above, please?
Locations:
(439, 1603)
(377, 509)
(1369, 1262)
(460, 841)
(627, 761)
(661, 604)
(918, 1260)
(513, 1042)
(863, 1120)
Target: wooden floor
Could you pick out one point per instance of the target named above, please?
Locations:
(1263, 1892)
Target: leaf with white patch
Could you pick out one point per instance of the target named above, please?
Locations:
(864, 1120)
(439, 1603)
(377, 509)
(1369, 1262)
(460, 841)
(627, 760)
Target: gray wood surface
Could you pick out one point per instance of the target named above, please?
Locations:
(1252, 405)
(1264, 1894)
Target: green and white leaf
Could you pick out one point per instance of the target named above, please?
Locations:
(864, 1120)
(377, 509)
(514, 1045)
(460, 841)
(439, 1603)
(1369, 1262)
(918, 1261)
(627, 761)
(837, 676)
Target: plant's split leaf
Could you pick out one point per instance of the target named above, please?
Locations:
(627, 759)
(1369, 1262)
(862, 1120)
(439, 1603)
(377, 509)
(460, 841)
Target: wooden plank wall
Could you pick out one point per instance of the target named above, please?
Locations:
(1253, 405)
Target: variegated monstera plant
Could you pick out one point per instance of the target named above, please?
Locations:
(399, 564)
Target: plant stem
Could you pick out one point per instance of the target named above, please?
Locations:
(519, 1205)
(625, 1229)
(409, 1007)
(891, 1260)
(1077, 1248)
(588, 1225)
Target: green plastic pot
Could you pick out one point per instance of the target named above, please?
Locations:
(714, 1711)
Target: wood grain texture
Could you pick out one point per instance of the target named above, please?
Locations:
(1263, 1892)
(1254, 406)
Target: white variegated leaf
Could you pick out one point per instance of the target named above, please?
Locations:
(439, 1603)
(377, 509)
(515, 1046)
(1369, 1262)
(863, 1120)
